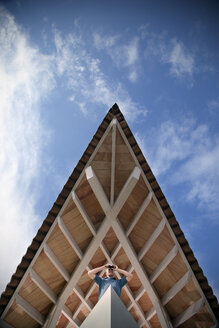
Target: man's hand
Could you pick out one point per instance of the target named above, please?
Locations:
(92, 273)
(128, 275)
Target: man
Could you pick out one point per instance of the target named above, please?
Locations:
(110, 279)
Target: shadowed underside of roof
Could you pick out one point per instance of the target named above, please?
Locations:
(168, 282)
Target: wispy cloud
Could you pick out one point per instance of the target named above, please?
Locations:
(187, 154)
(123, 54)
(213, 105)
(180, 59)
(87, 82)
(26, 76)
(172, 52)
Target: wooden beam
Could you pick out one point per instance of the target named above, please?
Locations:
(83, 213)
(143, 323)
(53, 258)
(49, 316)
(140, 292)
(188, 313)
(149, 315)
(29, 309)
(79, 270)
(152, 239)
(162, 266)
(139, 213)
(126, 244)
(43, 286)
(77, 311)
(69, 315)
(80, 294)
(69, 325)
(97, 189)
(126, 190)
(176, 288)
(105, 252)
(129, 306)
(112, 189)
(115, 251)
(69, 238)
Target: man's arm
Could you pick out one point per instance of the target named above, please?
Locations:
(92, 273)
(125, 273)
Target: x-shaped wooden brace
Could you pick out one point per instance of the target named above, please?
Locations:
(110, 220)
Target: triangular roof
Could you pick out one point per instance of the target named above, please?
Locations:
(110, 209)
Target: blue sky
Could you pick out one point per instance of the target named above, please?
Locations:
(63, 64)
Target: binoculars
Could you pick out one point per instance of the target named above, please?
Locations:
(111, 267)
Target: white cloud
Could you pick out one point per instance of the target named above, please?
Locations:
(201, 172)
(187, 154)
(173, 52)
(131, 52)
(213, 105)
(122, 54)
(105, 42)
(26, 76)
(86, 81)
(180, 60)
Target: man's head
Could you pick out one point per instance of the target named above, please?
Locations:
(110, 271)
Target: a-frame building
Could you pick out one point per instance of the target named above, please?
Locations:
(110, 210)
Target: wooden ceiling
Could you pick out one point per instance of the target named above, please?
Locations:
(112, 212)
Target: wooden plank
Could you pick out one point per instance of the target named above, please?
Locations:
(30, 310)
(69, 237)
(112, 191)
(170, 256)
(49, 253)
(83, 213)
(152, 239)
(139, 213)
(176, 288)
(188, 313)
(43, 286)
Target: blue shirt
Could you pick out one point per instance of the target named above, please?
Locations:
(104, 283)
